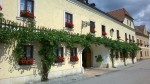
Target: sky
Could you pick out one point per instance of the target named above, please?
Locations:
(138, 9)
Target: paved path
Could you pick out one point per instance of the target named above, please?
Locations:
(138, 73)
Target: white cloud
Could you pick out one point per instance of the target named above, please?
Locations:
(138, 9)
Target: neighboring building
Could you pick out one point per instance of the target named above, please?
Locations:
(125, 18)
(55, 14)
(142, 37)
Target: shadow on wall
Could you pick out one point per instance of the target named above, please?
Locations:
(10, 63)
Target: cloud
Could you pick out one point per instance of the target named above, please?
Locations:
(138, 9)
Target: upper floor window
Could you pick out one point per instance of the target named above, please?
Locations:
(141, 42)
(27, 59)
(92, 27)
(104, 30)
(126, 37)
(27, 8)
(138, 41)
(69, 20)
(130, 23)
(118, 36)
(133, 39)
(129, 38)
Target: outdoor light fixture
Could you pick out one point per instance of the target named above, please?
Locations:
(111, 32)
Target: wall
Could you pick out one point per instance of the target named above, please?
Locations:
(51, 14)
(143, 48)
(11, 72)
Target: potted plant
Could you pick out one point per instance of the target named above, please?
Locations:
(26, 14)
(59, 59)
(69, 25)
(74, 58)
(25, 61)
(104, 33)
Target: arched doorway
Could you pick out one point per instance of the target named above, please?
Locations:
(86, 58)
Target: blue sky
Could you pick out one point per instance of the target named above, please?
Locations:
(138, 9)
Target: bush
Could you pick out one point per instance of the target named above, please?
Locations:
(99, 59)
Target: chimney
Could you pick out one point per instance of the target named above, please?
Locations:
(86, 1)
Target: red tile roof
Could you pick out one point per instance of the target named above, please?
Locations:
(119, 14)
(140, 29)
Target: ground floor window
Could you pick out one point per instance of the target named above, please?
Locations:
(59, 55)
(27, 58)
(73, 54)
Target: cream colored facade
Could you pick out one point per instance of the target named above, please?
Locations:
(143, 44)
(51, 13)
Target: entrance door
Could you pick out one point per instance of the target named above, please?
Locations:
(86, 58)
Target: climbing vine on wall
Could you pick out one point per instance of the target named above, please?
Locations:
(50, 39)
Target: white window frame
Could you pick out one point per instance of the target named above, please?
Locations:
(18, 12)
(64, 17)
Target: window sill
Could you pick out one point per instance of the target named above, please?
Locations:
(74, 62)
(58, 63)
(70, 29)
(92, 33)
(22, 18)
(25, 66)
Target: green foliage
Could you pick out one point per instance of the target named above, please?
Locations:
(1, 15)
(99, 59)
(50, 39)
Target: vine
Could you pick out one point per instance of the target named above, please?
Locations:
(50, 40)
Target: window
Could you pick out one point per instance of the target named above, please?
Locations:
(118, 36)
(126, 37)
(73, 55)
(141, 42)
(27, 8)
(141, 55)
(27, 59)
(59, 55)
(138, 43)
(28, 51)
(73, 52)
(68, 20)
(59, 52)
(92, 27)
(133, 39)
(144, 43)
(127, 22)
(68, 17)
(129, 38)
(103, 30)
(130, 23)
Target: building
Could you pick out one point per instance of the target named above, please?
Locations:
(55, 14)
(142, 37)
